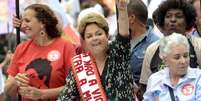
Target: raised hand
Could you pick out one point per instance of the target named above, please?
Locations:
(123, 20)
(16, 22)
(122, 4)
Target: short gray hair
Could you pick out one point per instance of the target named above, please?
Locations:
(174, 39)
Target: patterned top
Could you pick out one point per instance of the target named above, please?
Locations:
(117, 78)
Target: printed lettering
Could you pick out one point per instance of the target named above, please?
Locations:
(97, 95)
(88, 67)
(90, 73)
(92, 82)
(85, 55)
(79, 69)
(89, 70)
(82, 82)
(99, 99)
(77, 62)
(87, 62)
(87, 95)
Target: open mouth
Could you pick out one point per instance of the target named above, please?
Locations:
(96, 44)
(25, 29)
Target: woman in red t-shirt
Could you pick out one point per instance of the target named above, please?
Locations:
(40, 64)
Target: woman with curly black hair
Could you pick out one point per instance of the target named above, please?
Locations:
(172, 16)
(184, 13)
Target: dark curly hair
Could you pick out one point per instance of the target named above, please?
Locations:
(187, 8)
(45, 15)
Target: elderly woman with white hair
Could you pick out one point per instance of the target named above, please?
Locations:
(177, 81)
(102, 71)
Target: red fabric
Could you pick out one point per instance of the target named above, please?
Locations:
(54, 59)
(68, 30)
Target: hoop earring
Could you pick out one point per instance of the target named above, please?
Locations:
(42, 33)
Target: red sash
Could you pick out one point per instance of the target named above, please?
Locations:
(87, 78)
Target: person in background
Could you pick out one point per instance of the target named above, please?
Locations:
(197, 30)
(111, 61)
(3, 65)
(177, 81)
(173, 16)
(40, 64)
(156, 28)
(141, 37)
(1, 85)
(109, 9)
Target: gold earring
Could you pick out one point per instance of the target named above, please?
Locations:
(42, 33)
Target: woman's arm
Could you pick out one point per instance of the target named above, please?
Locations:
(11, 86)
(123, 21)
(64, 93)
(13, 83)
(122, 43)
(19, 84)
(35, 93)
(48, 93)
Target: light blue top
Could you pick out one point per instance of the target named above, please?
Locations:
(187, 89)
(196, 33)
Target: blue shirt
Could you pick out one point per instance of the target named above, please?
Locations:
(188, 87)
(138, 51)
(196, 33)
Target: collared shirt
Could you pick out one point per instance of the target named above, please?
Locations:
(138, 51)
(137, 40)
(188, 87)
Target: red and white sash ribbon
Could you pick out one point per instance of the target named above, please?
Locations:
(87, 78)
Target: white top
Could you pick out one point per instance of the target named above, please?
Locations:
(152, 6)
(187, 89)
(1, 82)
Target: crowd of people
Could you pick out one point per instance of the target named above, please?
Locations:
(134, 64)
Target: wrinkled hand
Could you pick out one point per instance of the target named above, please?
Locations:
(22, 80)
(122, 4)
(30, 92)
(16, 22)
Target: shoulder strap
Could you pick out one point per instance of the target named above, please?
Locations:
(171, 93)
(155, 62)
(193, 57)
